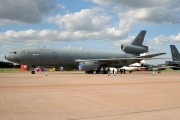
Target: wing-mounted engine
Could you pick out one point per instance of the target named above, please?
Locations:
(87, 66)
(134, 49)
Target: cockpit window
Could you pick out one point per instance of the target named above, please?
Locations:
(13, 52)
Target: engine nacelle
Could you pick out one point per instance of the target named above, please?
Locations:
(134, 49)
(87, 66)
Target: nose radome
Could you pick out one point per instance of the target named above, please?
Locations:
(6, 57)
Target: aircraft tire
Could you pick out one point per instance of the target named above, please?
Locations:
(159, 71)
(89, 72)
(124, 71)
(121, 71)
(106, 72)
(32, 72)
(98, 71)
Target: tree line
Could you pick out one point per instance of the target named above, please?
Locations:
(8, 65)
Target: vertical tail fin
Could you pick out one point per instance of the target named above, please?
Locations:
(175, 53)
(139, 38)
(136, 46)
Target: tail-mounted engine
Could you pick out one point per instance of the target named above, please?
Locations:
(134, 49)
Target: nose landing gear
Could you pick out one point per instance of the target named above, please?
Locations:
(33, 72)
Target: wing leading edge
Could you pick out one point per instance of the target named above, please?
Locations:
(146, 57)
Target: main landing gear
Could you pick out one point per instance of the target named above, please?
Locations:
(123, 71)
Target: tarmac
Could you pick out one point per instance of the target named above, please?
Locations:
(79, 96)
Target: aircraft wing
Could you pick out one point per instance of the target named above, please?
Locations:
(171, 67)
(147, 57)
(152, 55)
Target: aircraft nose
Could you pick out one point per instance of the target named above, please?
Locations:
(6, 57)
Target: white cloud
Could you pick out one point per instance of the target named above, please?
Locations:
(73, 48)
(25, 11)
(61, 6)
(131, 13)
(32, 37)
(124, 41)
(9, 47)
(96, 23)
(136, 11)
(175, 38)
(137, 4)
(161, 39)
(86, 20)
(165, 39)
(89, 24)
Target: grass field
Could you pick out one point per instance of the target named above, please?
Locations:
(170, 70)
(10, 70)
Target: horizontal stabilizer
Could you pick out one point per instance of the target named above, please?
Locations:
(152, 55)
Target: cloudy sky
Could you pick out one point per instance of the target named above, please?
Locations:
(88, 24)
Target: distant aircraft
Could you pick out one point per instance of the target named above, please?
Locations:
(130, 68)
(175, 64)
(133, 67)
(88, 61)
(113, 69)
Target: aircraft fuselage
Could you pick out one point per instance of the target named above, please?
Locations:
(64, 57)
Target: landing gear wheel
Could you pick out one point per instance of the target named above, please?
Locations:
(98, 71)
(159, 71)
(32, 72)
(124, 71)
(89, 72)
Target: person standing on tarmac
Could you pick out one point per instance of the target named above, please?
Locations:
(114, 72)
(108, 71)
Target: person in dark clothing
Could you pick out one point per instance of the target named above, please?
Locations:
(108, 71)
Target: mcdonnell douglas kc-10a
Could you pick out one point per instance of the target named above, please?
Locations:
(175, 64)
(88, 61)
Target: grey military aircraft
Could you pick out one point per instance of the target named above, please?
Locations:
(175, 64)
(86, 60)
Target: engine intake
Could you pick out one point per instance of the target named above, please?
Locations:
(87, 66)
